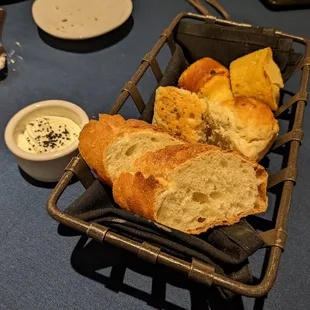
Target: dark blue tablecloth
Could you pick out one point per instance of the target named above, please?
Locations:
(39, 268)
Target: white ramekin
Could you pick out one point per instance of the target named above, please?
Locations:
(44, 167)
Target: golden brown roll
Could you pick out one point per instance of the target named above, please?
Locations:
(208, 78)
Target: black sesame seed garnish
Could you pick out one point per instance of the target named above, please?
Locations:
(29, 149)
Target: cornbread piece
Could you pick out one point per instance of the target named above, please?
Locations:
(257, 75)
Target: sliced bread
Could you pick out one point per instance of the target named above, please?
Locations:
(129, 144)
(111, 145)
(193, 187)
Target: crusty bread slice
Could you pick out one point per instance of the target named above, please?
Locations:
(129, 144)
(257, 75)
(181, 113)
(193, 187)
(208, 78)
(243, 124)
(111, 145)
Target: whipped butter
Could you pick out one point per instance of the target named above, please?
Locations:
(47, 134)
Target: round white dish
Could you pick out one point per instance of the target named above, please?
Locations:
(80, 19)
(46, 167)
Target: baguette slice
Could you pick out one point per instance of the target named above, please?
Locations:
(111, 145)
(257, 75)
(94, 136)
(129, 144)
(181, 113)
(208, 78)
(193, 187)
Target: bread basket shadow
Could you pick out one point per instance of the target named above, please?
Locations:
(90, 258)
(190, 37)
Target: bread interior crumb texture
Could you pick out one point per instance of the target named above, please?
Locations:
(126, 149)
(209, 188)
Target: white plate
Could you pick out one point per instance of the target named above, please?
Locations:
(80, 19)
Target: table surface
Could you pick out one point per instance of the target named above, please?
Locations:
(39, 268)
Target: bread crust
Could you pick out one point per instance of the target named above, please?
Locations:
(92, 140)
(134, 192)
(115, 121)
(138, 191)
